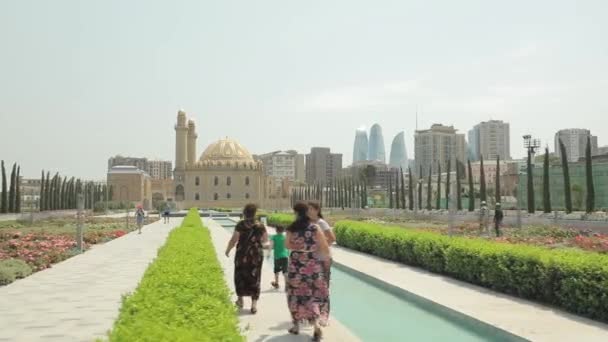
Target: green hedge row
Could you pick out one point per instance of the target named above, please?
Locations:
(182, 296)
(574, 280)
(280, 219)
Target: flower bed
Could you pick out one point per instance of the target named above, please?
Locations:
(182, 296)
(574, 280)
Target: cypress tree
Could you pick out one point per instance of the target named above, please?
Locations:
(589, 177)
(482, 182)
(18, 191)
(11, 191)
(531, 204)
(390, 192)
(420, 189)
(4, 194)
(438, 199)
(471, 187)
(41, 198)
(546, 190)
(497, 194)
(410, 190)
(364, 198)
(458, 185)
(447, 184)
(429, 189)
(566, 172)
(47, 191)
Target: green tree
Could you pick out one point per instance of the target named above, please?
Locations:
(429, 190)
(566, 172)
(41, 198)
(471, 188)
(589, 177)
(4, 194)
(438, 199)
(390, 192)
(546, 190)
(420, 189)
(531, 204)
(410, 188)
(18, 191)
(497, 193)
(482, 181)
(447, 184)
(458, 185)
(47, 191)
(11, 190)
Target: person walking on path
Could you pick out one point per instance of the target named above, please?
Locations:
(139, 216)
(316, 217)
(250, 238)
(166, 212)
(307, 290)
(483, 218)
(498, 217)
(281, 255)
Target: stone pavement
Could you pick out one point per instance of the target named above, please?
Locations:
(273, 318)
(79, 299)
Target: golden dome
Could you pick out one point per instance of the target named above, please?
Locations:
(226, 150)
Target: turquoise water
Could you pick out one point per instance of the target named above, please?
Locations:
(374, 314)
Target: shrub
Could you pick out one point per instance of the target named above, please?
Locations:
(574, 280)
(13, 269)
(182, 296)
(280, 219)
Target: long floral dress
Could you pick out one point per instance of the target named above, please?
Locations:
(307, 291)
(249, 259)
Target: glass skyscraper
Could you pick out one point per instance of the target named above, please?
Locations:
(361, 146)
(398, 157)
(376, 145)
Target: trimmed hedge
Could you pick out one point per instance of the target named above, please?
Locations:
(573, 280)
(183, 295)
(280, 219)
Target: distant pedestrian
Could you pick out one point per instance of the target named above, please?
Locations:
(281, 255)
(483, 217)
(498, 217)
(166, 212)
(139, 216)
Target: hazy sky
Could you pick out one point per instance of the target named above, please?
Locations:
(81, 81)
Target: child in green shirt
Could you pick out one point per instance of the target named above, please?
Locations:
(281, 255)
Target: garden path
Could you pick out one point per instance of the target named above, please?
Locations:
(79, 299)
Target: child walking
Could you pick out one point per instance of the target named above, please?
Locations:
(140, 215)
(281, 255)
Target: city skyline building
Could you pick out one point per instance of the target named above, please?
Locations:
(322, 165)
(575, 142)
(157, 169)
(490, 139)
(398, 157)
(438, 145)
(360, 149)
(283, 165)
(376, 151)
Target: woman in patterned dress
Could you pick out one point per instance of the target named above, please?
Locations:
(307, 291)
(250, 238)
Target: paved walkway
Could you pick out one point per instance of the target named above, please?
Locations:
(79, 299)
(523, 318)
(273, 318)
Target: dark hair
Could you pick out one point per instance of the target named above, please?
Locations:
(302, 220)
(316, 206)
(250, 211)
(280, 229)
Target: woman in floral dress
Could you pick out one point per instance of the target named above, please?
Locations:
(250, 238)
(307, 291)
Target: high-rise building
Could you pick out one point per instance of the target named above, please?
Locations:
(376, 151)
(438, 145)
(361, 146)
(575, 142)
(490, 139)
(398, 152)
(322, 165)
(140, 163)
(283, 165)
(157, 169)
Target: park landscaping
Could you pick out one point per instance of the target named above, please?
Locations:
(183, 295)
(30, 247)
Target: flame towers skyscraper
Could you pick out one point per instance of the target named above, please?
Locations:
(361, 146)
(398, 157)
(376, 150)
